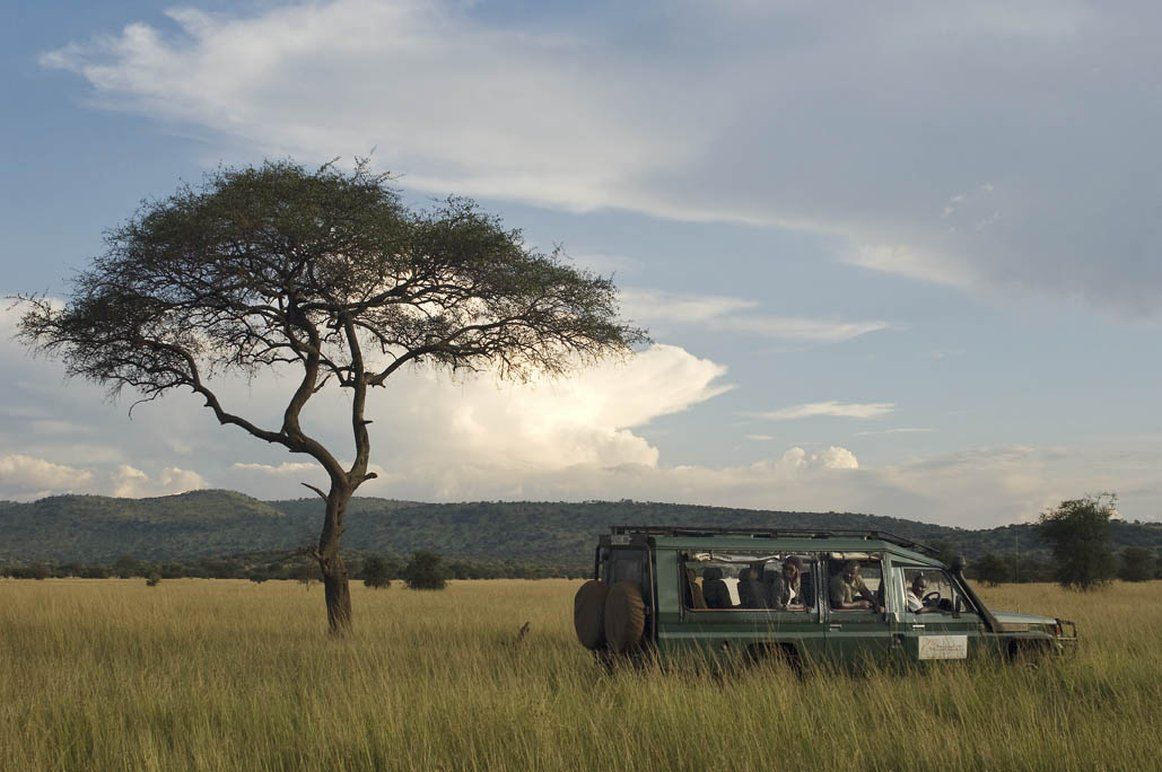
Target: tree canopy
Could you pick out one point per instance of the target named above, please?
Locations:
(425, 571)
(329, 276)
(1078, 532)
(375, 572)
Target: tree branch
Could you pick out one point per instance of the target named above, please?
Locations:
(319, 491)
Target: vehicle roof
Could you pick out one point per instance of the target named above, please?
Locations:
(788, 540)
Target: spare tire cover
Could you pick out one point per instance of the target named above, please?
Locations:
(625, 617)
(589, 613)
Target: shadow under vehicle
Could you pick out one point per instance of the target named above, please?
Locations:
(716, 593)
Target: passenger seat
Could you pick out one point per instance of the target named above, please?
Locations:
(714, 589)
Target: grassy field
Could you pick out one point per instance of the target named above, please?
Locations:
(197, 674)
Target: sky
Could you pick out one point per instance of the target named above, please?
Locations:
(899, 258)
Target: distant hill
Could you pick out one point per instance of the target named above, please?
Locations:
(214, 523)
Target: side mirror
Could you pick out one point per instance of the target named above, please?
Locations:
(958, 564)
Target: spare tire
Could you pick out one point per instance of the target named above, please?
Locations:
(625, 617)
(589, 613)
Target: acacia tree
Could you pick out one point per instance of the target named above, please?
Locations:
(1078, 532)
(328, 278)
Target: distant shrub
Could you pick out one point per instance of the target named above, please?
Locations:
(374, 572)
(94, 572)
(425, 571)
(31, 571)
(153, 580)
(306, 572)
(127, 567)
(992, 570)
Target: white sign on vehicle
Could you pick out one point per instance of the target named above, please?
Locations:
(943, 647)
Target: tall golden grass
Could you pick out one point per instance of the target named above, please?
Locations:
(197, 674)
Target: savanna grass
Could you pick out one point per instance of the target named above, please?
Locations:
(197, 674)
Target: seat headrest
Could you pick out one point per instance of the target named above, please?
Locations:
(712, 572)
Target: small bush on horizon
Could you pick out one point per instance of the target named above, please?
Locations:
(425, 571)
(375, 573)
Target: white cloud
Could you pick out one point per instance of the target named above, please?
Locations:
(898, 430)
(130, 482)
(456, 431)
(653, 306)
(288, 468)
(28, 477)
(939, 140)
(506, 99)
(860, 410)
(832, 458)
(728, 314)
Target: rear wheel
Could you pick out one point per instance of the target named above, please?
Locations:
(625, 618)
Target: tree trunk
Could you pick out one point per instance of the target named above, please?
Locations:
(334, 570)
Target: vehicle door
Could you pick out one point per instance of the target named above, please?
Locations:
(947, 626)
(863, 634)
(720, 618)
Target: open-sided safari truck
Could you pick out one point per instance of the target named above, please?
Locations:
(843, 596)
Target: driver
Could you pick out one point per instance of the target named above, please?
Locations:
(848, 590)
(915, 596)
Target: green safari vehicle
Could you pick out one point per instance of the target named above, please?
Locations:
(843, 596)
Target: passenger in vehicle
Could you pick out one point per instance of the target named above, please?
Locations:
(714, 589)
(694, 598)
(751, 592)
(848, 591)
(786, 589)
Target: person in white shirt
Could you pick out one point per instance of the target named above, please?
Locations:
(914, 597)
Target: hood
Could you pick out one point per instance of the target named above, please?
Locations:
(1013, 621)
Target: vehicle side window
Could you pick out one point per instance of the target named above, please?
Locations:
(931, 590)
(743, 582)
(855, 584)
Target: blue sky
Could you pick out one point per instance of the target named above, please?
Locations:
(900, 258)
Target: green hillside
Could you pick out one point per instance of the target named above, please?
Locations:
(100, 529)
(223, 523)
